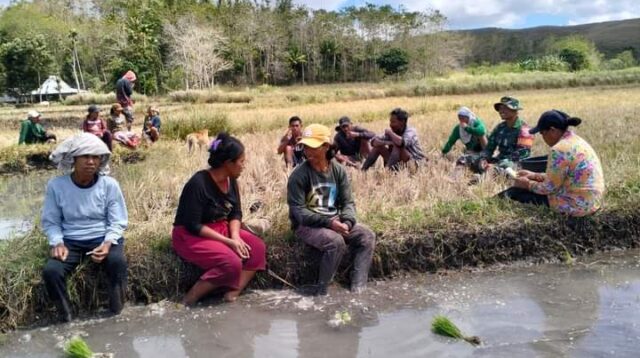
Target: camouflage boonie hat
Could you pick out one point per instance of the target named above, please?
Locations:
(510, 102)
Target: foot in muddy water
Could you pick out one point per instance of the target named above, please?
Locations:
(586, 310)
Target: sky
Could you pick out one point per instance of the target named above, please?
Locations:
(513, 14)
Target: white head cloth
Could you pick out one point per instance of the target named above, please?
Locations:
(465, 136)
(81, 144)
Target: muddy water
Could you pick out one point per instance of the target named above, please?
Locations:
(588, 309)
(21, 198)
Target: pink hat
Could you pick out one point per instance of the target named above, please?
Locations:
(130, 75)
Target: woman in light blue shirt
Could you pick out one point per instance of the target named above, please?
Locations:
(84, 216)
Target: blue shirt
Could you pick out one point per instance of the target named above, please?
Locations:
(71, 212)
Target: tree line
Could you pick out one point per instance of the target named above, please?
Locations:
(191, 44)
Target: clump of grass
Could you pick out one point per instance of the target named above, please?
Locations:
(209, 97)
(443, 326)
(99, 98)
(77, 348)
(179, 126)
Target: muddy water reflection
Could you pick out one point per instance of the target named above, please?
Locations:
(590, 309)
(21, 198)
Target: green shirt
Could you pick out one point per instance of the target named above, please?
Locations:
(476, 130)
(315, 198)
(512, 143)
(31, 133)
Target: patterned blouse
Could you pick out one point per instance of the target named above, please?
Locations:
(574, 182)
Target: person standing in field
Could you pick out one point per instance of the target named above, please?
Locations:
(292, 152)
(398, 145)
(207, 229)
(323, 213)
(353, 142)
(124, 91)
(95, 125)
(574, 182)
(32, 132)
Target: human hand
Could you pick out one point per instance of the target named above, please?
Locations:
(463, 125)
(524, 173)
(353, 135)
(388, 131)
(59, 252)
(339, 227)
(521, 182)
(101, 252)
(239, 247)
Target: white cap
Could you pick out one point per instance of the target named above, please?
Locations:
(33, 114)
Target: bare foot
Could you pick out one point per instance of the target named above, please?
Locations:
(231, 296)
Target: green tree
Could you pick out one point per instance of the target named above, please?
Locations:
(394, 61)
(297, 60)
(627, 58)
(578, 52)
(576, 59)
(25, 62)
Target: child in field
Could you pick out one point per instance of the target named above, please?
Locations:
(151, 130)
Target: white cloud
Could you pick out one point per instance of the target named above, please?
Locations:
(508, 13)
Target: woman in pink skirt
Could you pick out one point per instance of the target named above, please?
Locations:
(207, 232)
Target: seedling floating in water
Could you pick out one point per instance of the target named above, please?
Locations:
(77, 348)
(443, 326)
(340, 319)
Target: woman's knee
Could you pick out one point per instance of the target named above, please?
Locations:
(256, 243)
(53, 269)
(116, 262)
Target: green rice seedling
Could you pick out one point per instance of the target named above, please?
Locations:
(77, 348)
(443, 326)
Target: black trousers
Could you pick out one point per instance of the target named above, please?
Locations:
(55, 272)
(524, 196)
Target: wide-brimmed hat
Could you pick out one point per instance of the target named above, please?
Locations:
(342, 121)
(315, 135)
(508, 101)
(33, 114)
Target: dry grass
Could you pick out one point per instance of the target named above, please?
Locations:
(427, 220)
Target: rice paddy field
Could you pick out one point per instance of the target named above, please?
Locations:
(426, 220)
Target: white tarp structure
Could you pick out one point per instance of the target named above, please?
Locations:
(54, 86)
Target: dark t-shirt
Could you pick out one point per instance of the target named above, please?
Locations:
(351, 146)
(202, 202)
(298, 150)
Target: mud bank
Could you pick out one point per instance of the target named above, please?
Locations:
(25, 159)
(156, 273)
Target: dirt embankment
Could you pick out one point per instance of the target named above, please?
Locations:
(156, 273)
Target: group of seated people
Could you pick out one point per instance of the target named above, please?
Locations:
(573, 182)
(85, 214)
(117, 127)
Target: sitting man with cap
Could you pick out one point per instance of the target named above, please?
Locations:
(32, 132)
(511, 138)
(323, 213)
(353, 142)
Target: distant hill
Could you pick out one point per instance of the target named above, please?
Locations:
(496, 45)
